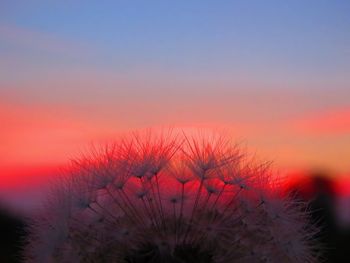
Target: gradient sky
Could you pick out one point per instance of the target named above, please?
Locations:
(276, 74)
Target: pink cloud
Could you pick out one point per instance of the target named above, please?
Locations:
(24, 37)
(330, 122)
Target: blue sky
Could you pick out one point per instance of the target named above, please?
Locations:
(299, 38)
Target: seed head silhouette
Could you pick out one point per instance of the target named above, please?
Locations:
(161, 198)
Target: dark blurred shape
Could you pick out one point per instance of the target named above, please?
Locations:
(322, 206)
(334, 239)
(12, 236)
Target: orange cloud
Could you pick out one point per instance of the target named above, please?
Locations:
(32, 135)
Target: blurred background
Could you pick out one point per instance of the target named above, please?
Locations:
(273, 74)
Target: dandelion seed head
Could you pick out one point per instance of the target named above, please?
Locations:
(165, 198)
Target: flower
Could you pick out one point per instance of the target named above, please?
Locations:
(170, 199)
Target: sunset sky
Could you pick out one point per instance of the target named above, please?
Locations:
(275, 74)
